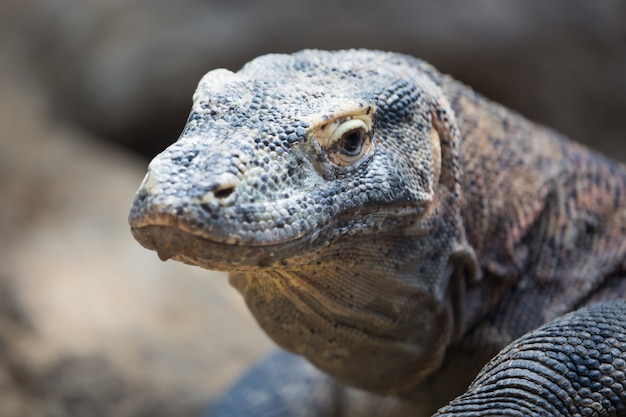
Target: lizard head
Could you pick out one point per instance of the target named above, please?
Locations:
(326, 184)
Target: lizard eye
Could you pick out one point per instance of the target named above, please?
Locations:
(350, 141)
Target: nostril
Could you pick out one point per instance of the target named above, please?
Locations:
(223, 192)
(223, 186)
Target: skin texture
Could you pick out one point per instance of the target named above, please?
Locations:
(383, 220)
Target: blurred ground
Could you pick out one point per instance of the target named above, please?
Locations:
(125, 68)
(93, 325)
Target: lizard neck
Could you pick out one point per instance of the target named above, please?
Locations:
(545, 216)
(509, 166)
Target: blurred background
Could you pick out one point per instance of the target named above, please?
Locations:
(91, 324)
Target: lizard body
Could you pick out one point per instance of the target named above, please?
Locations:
(383, 220)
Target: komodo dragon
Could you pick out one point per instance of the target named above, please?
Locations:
(398, 230)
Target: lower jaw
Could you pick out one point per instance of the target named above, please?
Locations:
(173, 243)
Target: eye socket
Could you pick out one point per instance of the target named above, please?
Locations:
(351, 142)
(343, 142)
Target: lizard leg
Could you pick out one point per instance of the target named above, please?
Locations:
(281, 385)
(287, 385)
(572, 366)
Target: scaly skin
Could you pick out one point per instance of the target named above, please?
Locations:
(572, 366)
(383, 220)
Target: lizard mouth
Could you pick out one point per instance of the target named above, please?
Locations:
(223, 249)
(172, 242)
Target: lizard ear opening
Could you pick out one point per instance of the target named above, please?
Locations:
(446, 141)
(435, 142)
